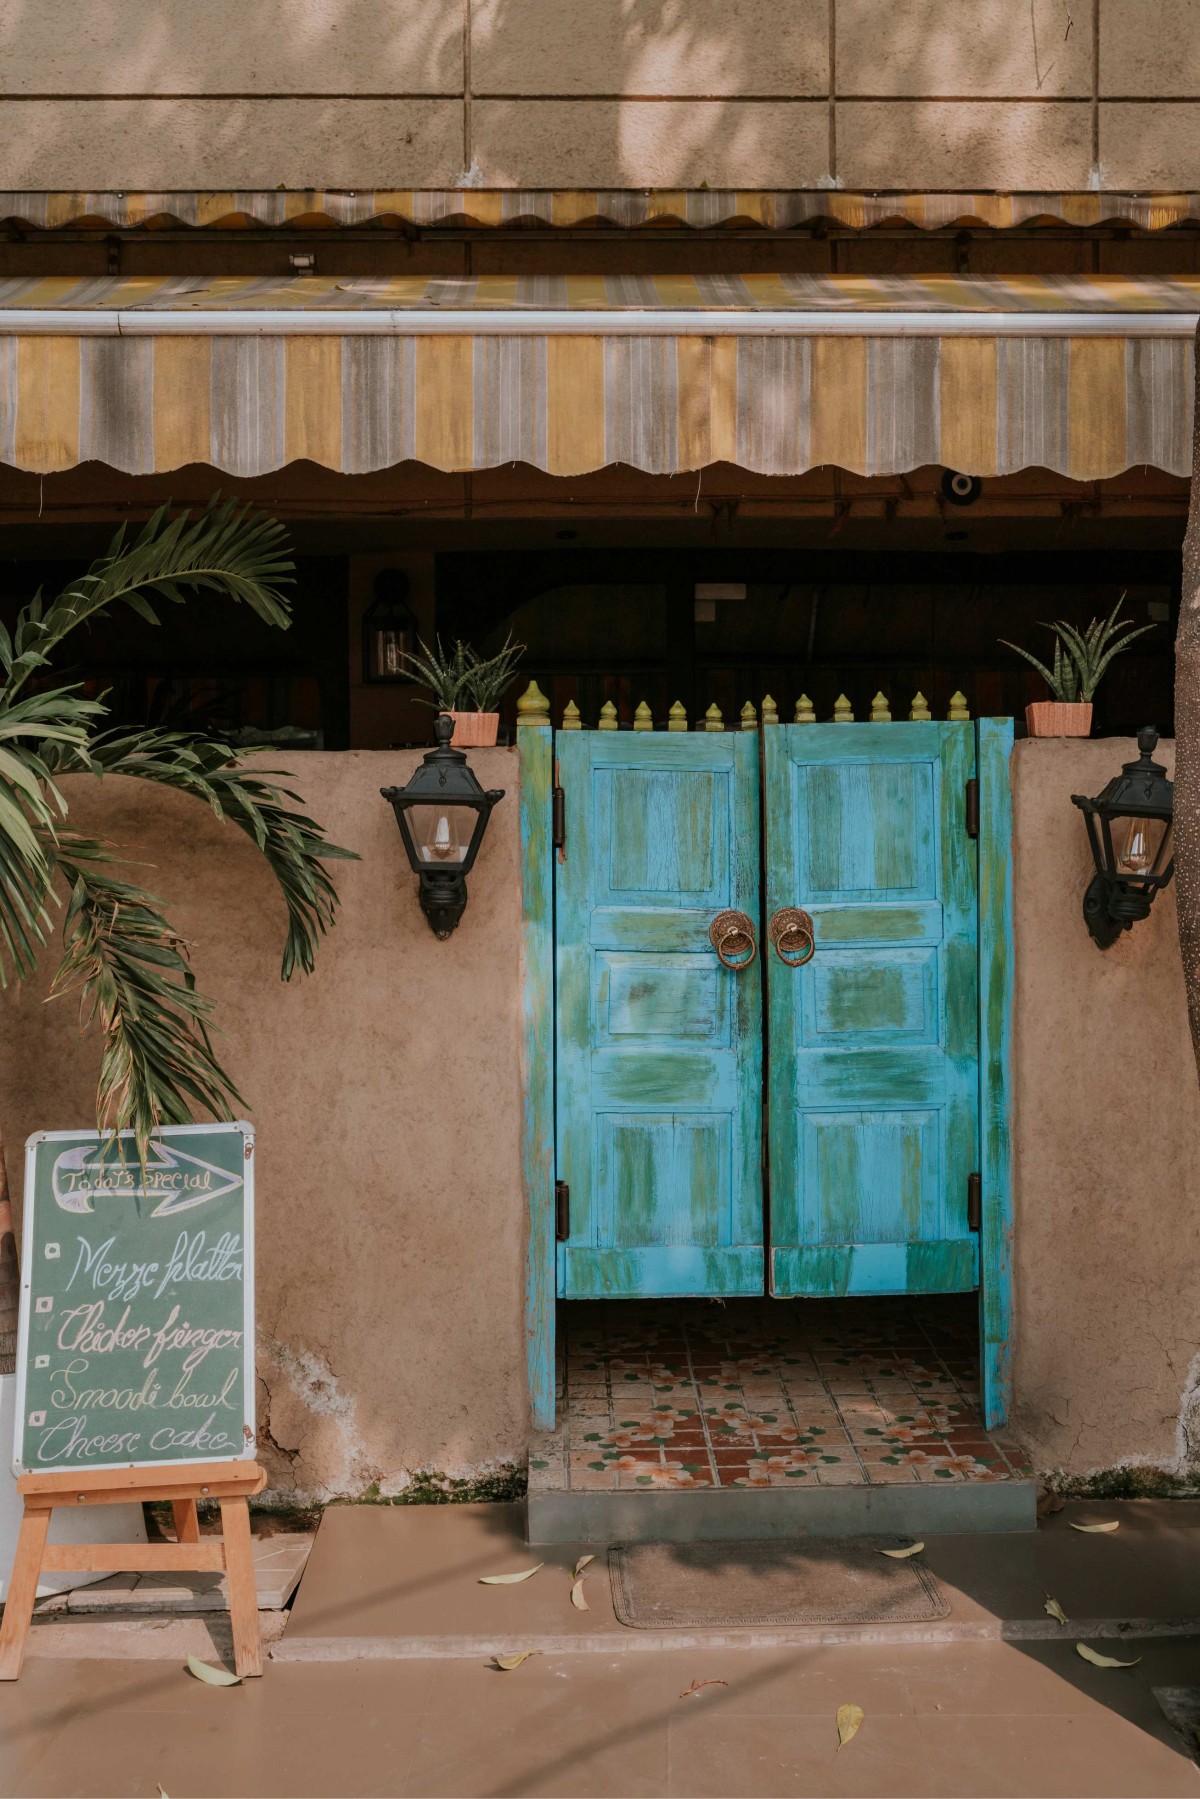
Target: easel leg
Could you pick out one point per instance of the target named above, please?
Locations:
(22, 1591)
(243, 1593)
(187, 1521)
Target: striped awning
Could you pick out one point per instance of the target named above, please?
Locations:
(775, 373)
(494, 208)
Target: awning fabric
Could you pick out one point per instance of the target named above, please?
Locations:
(701, 208)
(775, 373)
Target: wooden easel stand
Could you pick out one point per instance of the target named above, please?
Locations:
(230, 1483)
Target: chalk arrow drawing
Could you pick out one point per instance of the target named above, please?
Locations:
(76, 1169)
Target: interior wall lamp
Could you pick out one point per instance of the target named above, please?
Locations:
(1129, 828)
(442, 813)
(389, 629)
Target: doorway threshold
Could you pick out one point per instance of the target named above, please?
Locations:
(681, 1420)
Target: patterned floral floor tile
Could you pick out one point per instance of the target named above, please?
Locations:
(684, 1394)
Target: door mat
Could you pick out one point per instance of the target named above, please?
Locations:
(682, 1586)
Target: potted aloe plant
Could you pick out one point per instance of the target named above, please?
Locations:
(466, 685)
(1080, 660)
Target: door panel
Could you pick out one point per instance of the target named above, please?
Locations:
(659, 1074)
(873, 1043)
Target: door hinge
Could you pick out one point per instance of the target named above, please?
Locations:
(562, 1211)
(558, 818)
(972, 808)
(974, 1202)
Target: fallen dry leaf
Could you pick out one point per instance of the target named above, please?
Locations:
(507, 1580)
(1055, 1610)
(581, 1564)
(1048, 1504)
(577, 1598)
(212, 1677)
(849, 1717)
(902, 1555)
(1103, 1661)
(513, 1661)
(1094, 1529)
(698, 1686)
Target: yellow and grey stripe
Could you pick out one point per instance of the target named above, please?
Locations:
(777, 374)
(493, 208)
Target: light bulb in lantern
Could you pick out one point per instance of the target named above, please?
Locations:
(1138, 853)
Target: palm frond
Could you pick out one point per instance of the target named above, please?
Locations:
(293, 846)
(135, 983)
(35, 733)
(228, 548)
(130, 969)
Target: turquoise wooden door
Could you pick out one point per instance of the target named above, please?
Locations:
(874, 1043)
(659, 1050)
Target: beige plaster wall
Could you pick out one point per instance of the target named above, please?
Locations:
(385, 1091)
(1107, 1141)
(386, 1094)
(958, 94)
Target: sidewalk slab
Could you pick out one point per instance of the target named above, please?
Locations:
(404, 1583)
(996, 1719)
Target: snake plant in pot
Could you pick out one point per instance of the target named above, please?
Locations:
(1081, 658)
(466, 685)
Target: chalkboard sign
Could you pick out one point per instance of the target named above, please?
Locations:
(137, 1300)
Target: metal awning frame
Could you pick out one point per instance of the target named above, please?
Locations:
(432, 321)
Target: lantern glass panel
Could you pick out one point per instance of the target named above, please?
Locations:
(1140, 843)
(390, 642)
(442, 834)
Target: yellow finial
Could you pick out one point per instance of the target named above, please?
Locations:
(713, 720)
(770, 712)
(642, 720)
(920, 707)
(608, 717)
(677, 717)
(804, 711)
(958, 706)
(843, 712)
(571, 719)
(533, 708)
(749, 717)
(880, 711)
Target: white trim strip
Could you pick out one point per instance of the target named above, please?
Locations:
(506, 322)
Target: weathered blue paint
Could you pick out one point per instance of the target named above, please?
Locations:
(659, 1048)
(995, 1073)
(535, 748)
(873, 1044)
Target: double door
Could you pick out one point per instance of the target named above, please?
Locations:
(768, 1064)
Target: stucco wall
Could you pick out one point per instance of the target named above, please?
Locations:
(385, 1092)
(101, 94)
(1107, 1149)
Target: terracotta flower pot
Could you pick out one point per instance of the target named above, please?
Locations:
(1053, 718)
(476, 730)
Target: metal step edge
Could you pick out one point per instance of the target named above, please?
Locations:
(563, 1516)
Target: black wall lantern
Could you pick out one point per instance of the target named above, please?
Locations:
(1129, 825)
(442, 814)
(389, 629)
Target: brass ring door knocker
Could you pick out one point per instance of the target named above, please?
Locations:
(732, 936)
(792, 935)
